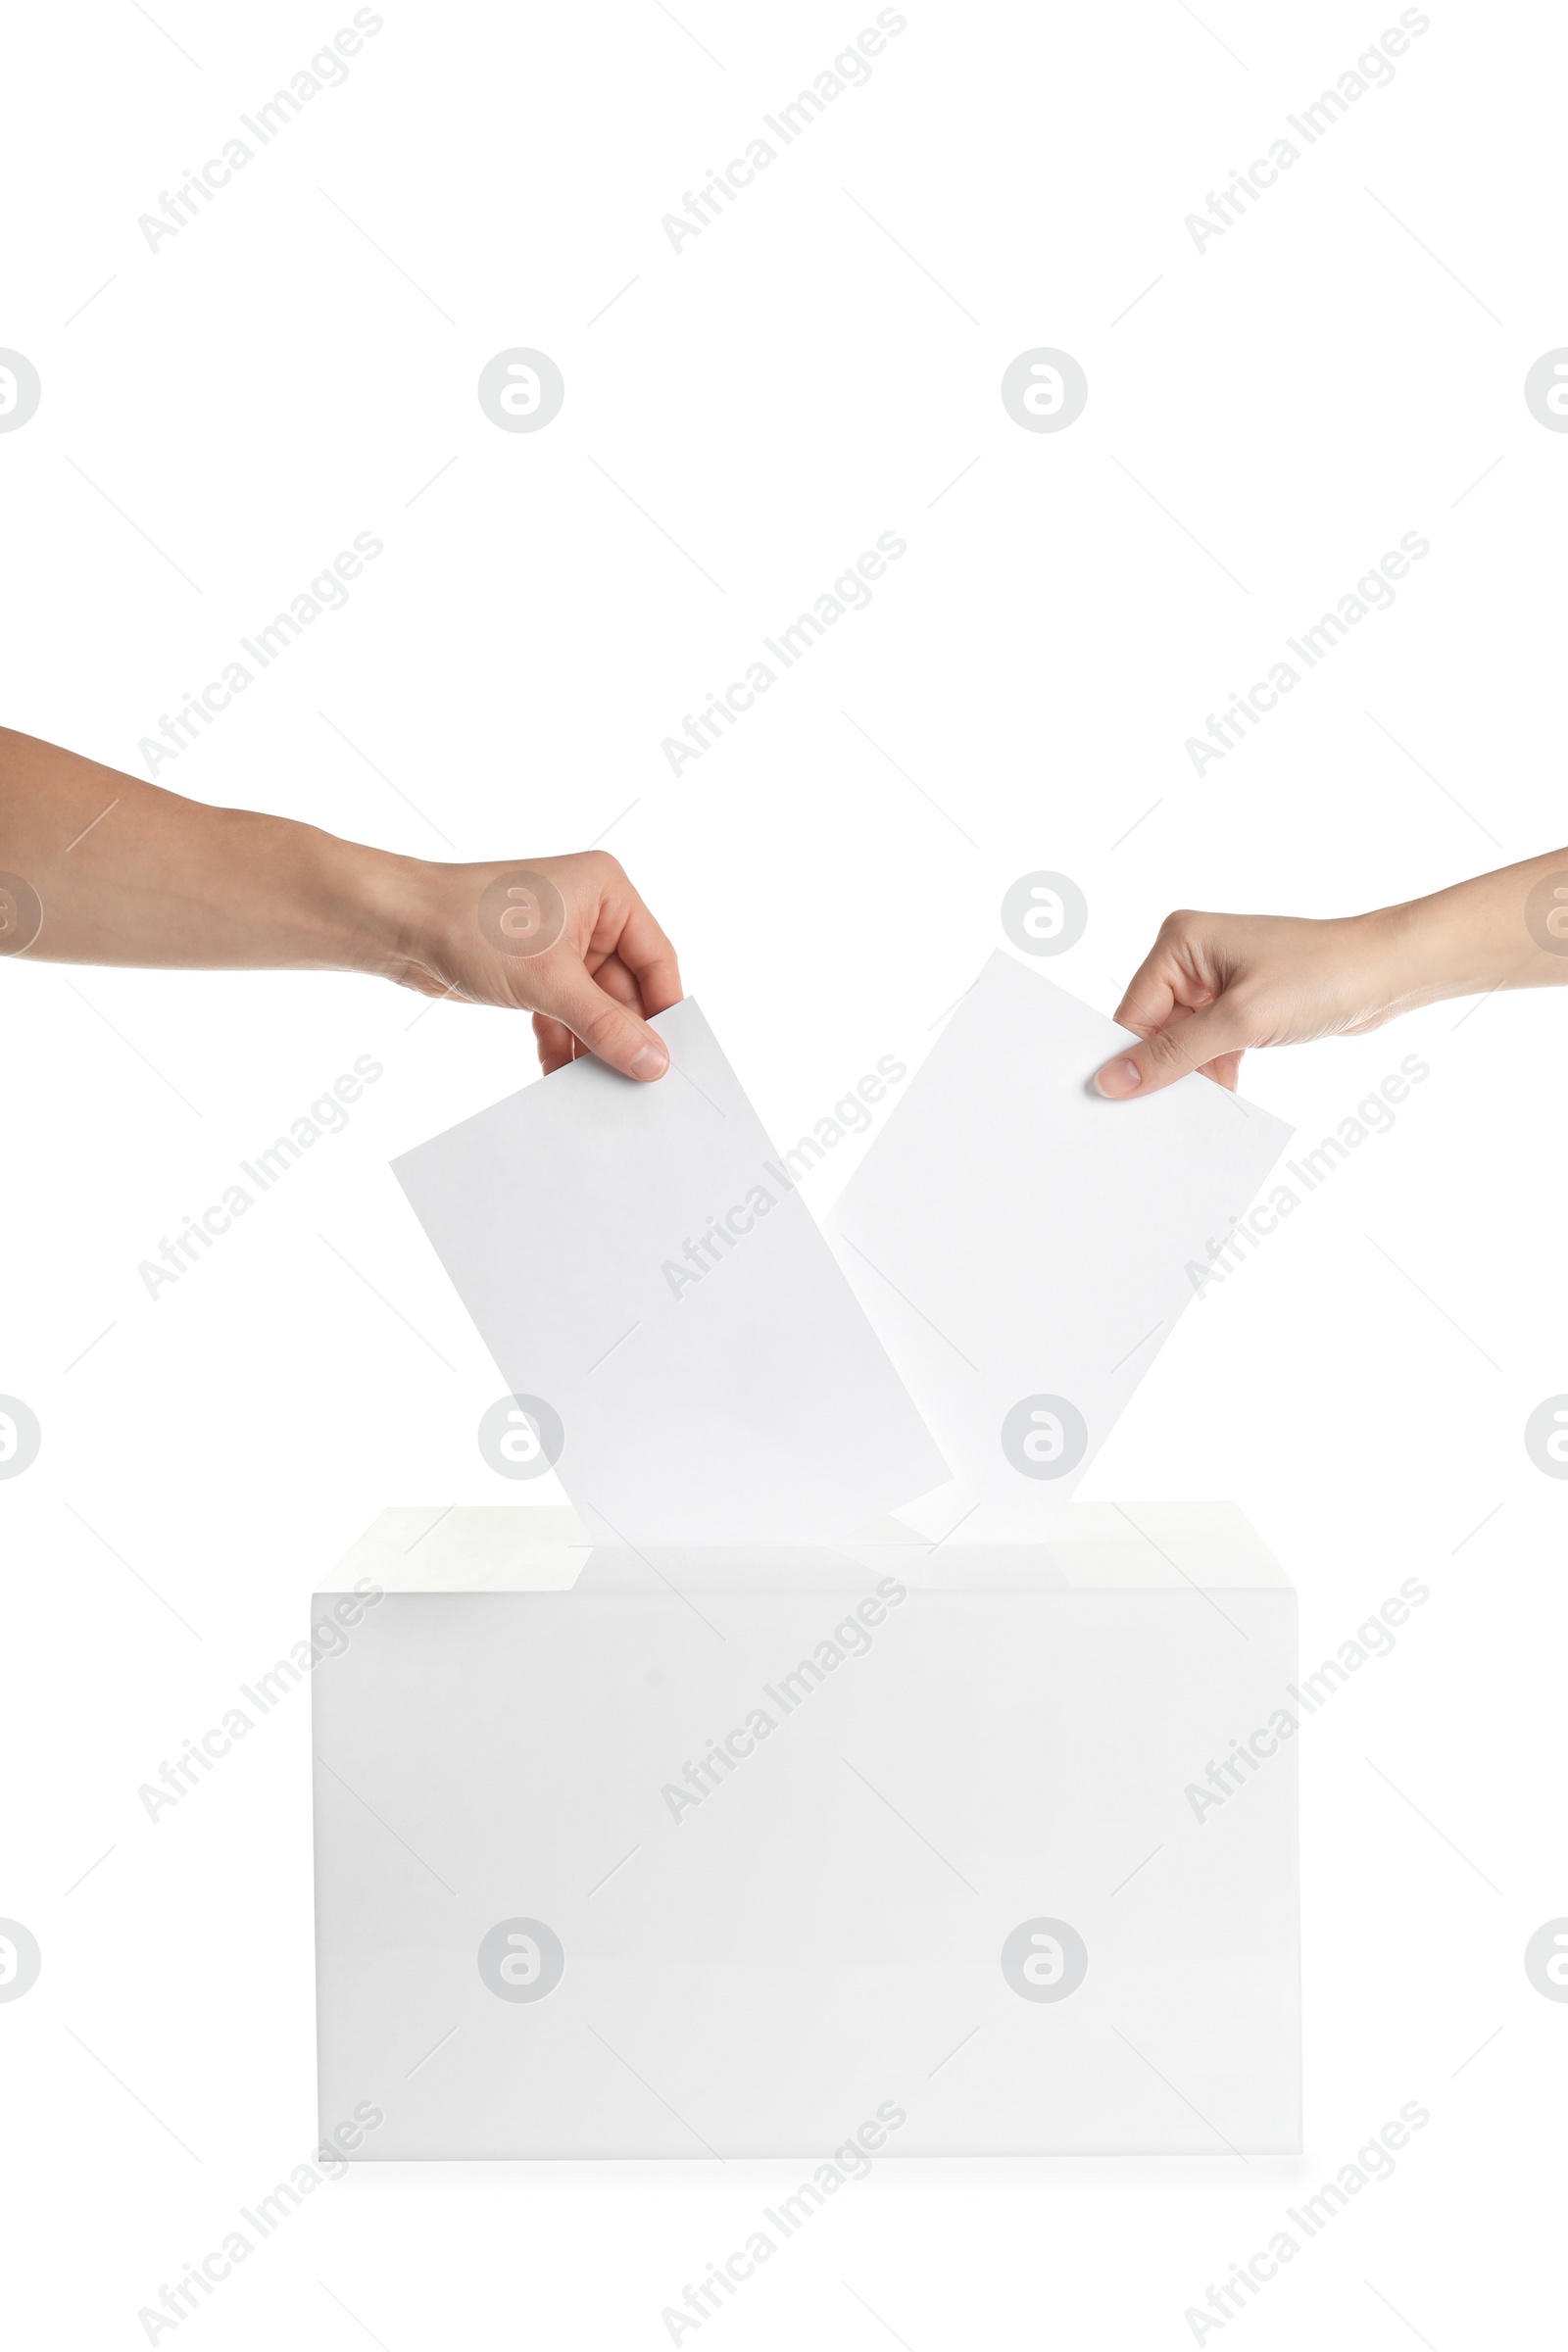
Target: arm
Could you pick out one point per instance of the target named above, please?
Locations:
(1214, 984)
(98, 867)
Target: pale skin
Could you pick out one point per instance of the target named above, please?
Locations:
(127, 874)
(1214, 985)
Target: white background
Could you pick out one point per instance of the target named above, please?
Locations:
(1339, 369)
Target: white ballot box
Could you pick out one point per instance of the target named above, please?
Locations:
(937, 1850)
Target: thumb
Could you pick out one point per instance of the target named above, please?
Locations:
(1169, 1053)
(610, 1033)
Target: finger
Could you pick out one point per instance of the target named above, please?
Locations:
(648, 955)
(1225, 1070)
(613, 976)
(607, 1029)
(1166, 1054)
(555, 1040)
(1151, 997)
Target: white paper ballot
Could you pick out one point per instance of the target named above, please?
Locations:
(1023, 1245)
(636, 1259)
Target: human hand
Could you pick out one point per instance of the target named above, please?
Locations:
(1215, 984)
(567, 939)
(161, 880)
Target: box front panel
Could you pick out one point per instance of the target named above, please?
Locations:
(616, 1875)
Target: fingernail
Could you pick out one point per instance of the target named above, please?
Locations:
(1119, 1078)
(651, 1061)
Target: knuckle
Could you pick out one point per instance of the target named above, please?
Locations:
(601, 1026)
(1165, 1050)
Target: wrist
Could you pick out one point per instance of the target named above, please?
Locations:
(382, 911)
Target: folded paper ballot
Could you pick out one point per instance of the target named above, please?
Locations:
(666, 1311)
(1025, 1247)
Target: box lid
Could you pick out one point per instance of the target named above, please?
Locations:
(529, 1548)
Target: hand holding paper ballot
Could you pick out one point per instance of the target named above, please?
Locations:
(567, 939)
(100, 868)
(1214, 984)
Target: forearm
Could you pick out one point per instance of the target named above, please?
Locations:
(1216, 984)
(1507, 929)
(126, 873)
(98, 867)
